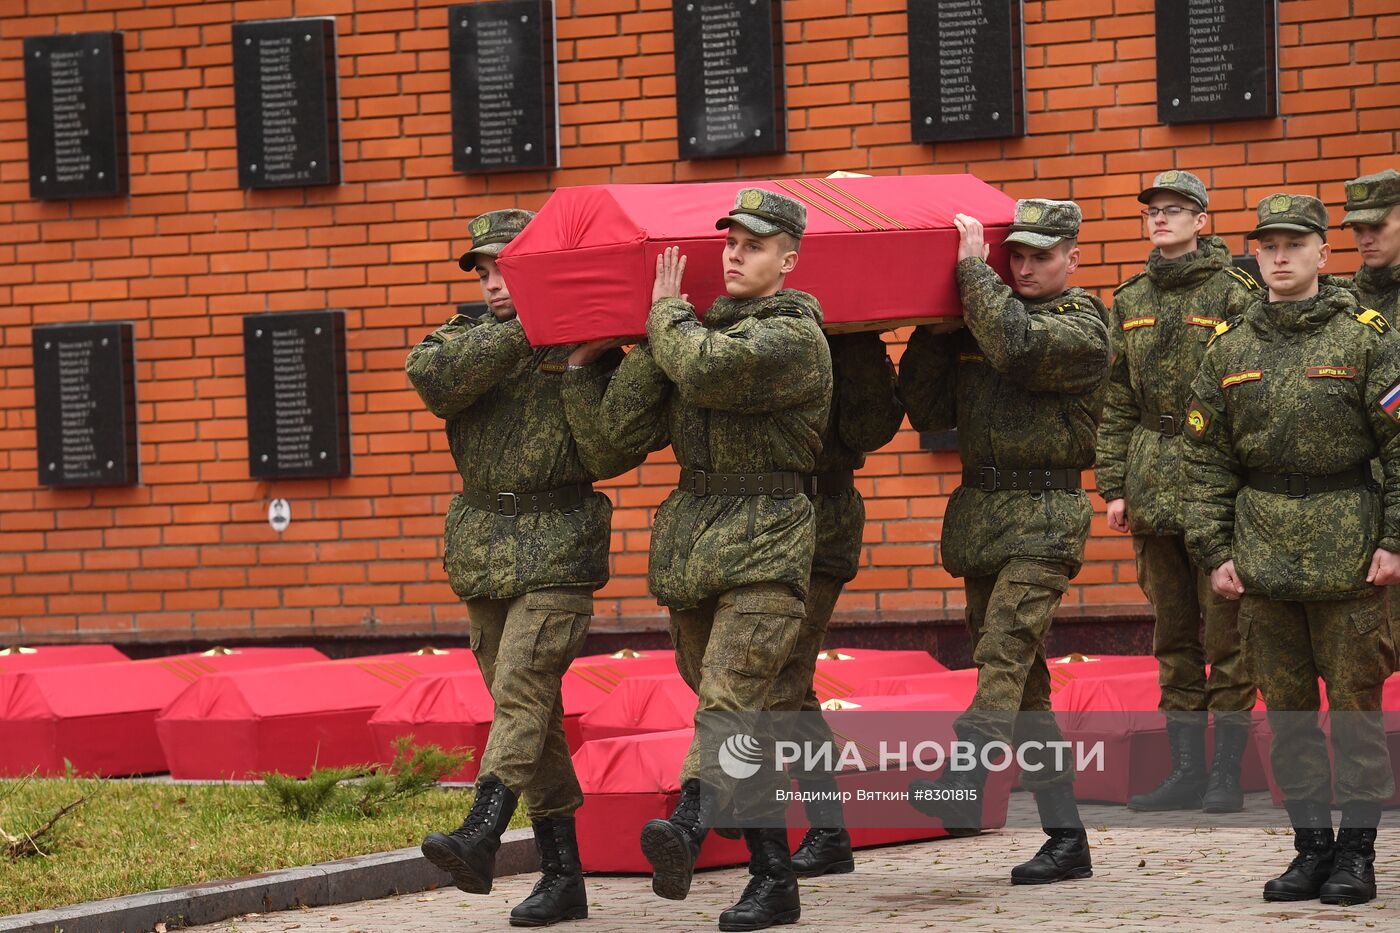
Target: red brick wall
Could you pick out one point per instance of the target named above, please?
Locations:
(189, 253)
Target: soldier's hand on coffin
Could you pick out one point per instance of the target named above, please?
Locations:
(972, 243)
(589, 352)
(1226, 581)
(670, 266)
(1385, 568)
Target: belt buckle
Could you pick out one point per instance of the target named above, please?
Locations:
(507, 498)
(781, 487)
(1166, 425)
(1302, 485)
(987, 479)
(699, 483)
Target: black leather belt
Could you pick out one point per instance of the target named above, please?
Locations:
(511, 504)
(1165, 425)
(992, 479)
(834, 483)
(782, 484)
(1302, 485)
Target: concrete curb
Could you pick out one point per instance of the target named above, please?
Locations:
(361, 878)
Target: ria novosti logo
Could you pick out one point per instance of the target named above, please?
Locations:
(740, 756)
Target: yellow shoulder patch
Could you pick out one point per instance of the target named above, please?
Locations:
(1372, 319)
(1243, 277)
(1222, 328)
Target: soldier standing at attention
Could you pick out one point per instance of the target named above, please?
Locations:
(526, 546)
(742, 398)
(1023, 384)
(1289, 408)
(865, 415)
(1160, 322)
(1376, 227)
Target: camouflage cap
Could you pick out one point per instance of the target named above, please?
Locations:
(491, 232)
(764, 213)
(1177, 181)
(1291, 212)
(1042, 224)
(1370, 197)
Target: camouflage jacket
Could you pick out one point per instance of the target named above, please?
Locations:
(512, 424)
(1160, 322)
(747, 391)
(1023, 383)
(1379, 289)
(865, 415)
(1295, 387)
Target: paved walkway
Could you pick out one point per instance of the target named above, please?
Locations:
(1145, 879)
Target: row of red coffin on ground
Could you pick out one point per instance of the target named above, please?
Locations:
(239, 714)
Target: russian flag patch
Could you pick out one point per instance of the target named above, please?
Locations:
(1390, 402)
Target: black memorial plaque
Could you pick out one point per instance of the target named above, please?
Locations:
(1216, 60)
(75, 106)
(85, 404)
(298, 397)
(966, 72)
(730, 96)
(473, 309)
(504, 111)
(285, 103)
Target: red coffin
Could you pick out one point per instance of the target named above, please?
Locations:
(291, 720)
(584, 267)
(101, 717)
(962, 683)
(14, 660)
(593, 678)
(448, 710)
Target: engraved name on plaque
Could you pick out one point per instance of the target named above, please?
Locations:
(1216, 60)
(730, 97)
(75, 108)
(504, 101)
(298, 399)
(85, 404)
(966, 73)
(286, 103)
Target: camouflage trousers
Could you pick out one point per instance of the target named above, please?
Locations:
(730, 650)
(1349, 645)
(1008, 617)
(1181, 598)
(523, 647)
(792, 688)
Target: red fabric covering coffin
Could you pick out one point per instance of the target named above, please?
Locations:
(584, 267)
(449, 710)
(661, 703)
(593, 678)
(290, 720)
(1263, 737)
(101, 717)
(630, 779)
(14, 660)
(962, 683)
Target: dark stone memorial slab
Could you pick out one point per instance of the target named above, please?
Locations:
(85, 404)
(966, 71)
(1216, 60)
(285, 103)
(473, 309)
(298, 398)
(75, 105)
(730, 98)
(504, 111)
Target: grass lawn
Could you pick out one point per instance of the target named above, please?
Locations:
(133, 836)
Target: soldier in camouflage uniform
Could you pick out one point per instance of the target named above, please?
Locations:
(1376, 227)
(1160, 322)
(1289, 407)
(865, 415)
(526, 546)
(742, 398)
(1024, 384)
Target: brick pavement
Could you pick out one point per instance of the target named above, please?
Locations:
(1147, 878)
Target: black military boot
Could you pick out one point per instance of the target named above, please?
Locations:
(1353, 878)
(954, 798)
(826, 849)
(1065, 855)
(1183, 787)
(770, 898)
(1223, 791)
(672, 845)
(559, 894)
(468, 853)
(1312, 866)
